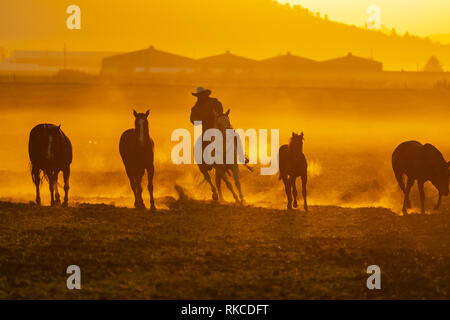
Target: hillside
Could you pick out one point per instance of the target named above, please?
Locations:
(254, 28)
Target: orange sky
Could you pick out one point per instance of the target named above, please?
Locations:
(135, 24)
(421, 17)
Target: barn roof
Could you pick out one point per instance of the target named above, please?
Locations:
(288, 61)
(227, 59)
(149, 57)
(351, 63)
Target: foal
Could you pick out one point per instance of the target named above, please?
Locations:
(292, 164)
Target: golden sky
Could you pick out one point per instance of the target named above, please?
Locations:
(254, 28)
(421, 17)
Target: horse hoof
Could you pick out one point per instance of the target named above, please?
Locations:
(405, 212)
(306, 209)
(65, 204)
(295, 205)
(215, 197)
(140, 206)
(153, 208)
(243, 202)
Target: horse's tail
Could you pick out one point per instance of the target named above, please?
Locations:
(251, 169)
(398, 173)
(41, 179)
(246, 164)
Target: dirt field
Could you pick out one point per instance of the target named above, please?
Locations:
(202, 250)
(197, 249)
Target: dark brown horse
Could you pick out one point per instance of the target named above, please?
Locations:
(292, 164)
(137, 152)
(50, 151)
(422, 163)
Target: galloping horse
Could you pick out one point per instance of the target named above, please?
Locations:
(222, 123)
(137, 152)
(50, 151)
(292, 164)
(422, 163)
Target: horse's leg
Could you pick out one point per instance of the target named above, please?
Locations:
(287, 188)
(294, 190)
(150, 174)
(230, 187)
(219, 177)
(304, 182)
(422, 195)
(207, 177)
(132, 177)
(66, 176)
(237, 182)
(55, 182)
(35, 172)
(51, 187)
(438, 204)
(406, 201)
(139, 201)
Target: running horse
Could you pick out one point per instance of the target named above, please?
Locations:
(50, 151)
(137, 151)
(292, 164)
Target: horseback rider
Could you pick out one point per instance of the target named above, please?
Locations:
(204, 108)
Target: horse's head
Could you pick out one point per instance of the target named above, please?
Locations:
(222, 121)
(296, 142)
(141, 125)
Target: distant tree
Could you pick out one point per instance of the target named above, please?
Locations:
(326, 17)
(433, 65)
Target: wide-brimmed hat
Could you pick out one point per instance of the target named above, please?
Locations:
(202, 91)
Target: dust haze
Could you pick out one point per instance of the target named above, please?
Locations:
(349, 137)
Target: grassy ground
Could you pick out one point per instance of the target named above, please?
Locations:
(201, 250)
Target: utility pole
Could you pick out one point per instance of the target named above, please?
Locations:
(65, 53)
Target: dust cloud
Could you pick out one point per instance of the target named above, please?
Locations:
(349, 137)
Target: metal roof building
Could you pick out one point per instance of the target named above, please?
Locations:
(351, 64)
(148, 60)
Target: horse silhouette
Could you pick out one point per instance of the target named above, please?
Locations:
(222, 123)
(292, 164)
(137, 151)
(50, 151)
(422, 163)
